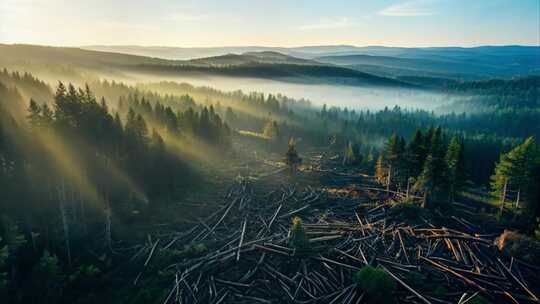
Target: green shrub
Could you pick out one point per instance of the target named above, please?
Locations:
(299, 240)
(378, 285)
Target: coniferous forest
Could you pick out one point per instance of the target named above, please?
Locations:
(342, 174)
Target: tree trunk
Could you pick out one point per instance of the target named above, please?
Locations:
(388, 178)
(517, 199)
(65, 224)
(503, 196)
(408, 189)
(82, 212)
(108, 222)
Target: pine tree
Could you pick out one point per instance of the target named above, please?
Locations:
(426, 180)
(416, 154)
(47, 115)
(514, 171)
(299, 239)
(157, 143)
(350, 156)
(291, 157)
(271, 130)
(455, 162)
(433, 179)
(230, 117)
(381, 170)
(402, 172)
(141, 129)
(34, 114)
(394, 156)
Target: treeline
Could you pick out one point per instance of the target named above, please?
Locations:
(370, 128)
(251, 105)
(294, 72)
(238, 109)
(429, 163)
(434, 165)
(501, 93)
(27, 84)
(179, 118)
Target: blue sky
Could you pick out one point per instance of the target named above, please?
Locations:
(191, 23)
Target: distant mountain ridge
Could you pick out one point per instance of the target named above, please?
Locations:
(453, 62)
(265, 64)
(186, 53)
(471, 63)
(269, 57)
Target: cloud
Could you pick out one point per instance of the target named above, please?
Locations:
(186, 17)
(328, 24)
(411, 9)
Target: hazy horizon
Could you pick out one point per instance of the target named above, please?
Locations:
(269, 46)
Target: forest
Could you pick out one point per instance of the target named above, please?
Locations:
(159, 191)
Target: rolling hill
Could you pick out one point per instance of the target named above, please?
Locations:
(466, 63)
(267, 64)
(453, 62)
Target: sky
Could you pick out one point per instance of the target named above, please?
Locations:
(287, 23)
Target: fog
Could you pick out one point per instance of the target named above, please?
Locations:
(352, 97)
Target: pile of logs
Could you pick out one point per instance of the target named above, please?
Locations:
(250, 259)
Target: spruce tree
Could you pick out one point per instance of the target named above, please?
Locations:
(394, 156)
(514, 172)
(291, 157)
(271, 130)
(381, 170)
(455, 162)
(433, 179)
(350, 156)
(416, 154)
(34, 114)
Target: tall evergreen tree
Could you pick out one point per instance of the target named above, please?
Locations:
(455, 163)
(271, 130)
(416, 154)
(381, 170)
(351, 155)
(514, 171)
(291, 157)
(394, 156)
(433, 179)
